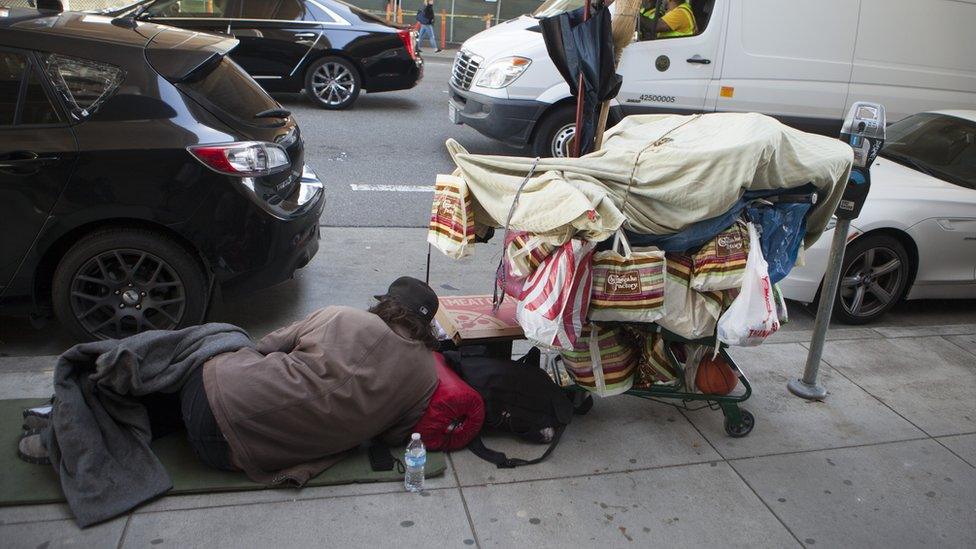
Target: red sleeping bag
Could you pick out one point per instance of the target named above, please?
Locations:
(455, 413)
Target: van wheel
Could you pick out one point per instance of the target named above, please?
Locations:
(115, 283)
(554, 136)
(333, 83)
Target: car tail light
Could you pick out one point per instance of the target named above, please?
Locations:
(243, 158)
(408, 41)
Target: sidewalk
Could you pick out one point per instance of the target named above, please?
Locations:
(889, 459)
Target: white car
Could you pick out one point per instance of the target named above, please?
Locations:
(916, 236)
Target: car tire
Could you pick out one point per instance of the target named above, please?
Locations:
(322, 74)
(874, 277)
(118, 282)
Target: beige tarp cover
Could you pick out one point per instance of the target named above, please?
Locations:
(679, 170)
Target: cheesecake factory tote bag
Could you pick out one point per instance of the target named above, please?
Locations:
(628, 285)
(603, 361)
(451, 217)
(555, 298)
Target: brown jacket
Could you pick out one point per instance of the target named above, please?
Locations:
(315, 389)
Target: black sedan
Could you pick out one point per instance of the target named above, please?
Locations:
(330, 49)
(140, 169)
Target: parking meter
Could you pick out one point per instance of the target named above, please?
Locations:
(864, 130)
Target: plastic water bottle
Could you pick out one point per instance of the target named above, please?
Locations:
(414, 458)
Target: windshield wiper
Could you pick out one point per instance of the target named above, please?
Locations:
(273, 113)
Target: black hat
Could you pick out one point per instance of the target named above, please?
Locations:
(414, 295)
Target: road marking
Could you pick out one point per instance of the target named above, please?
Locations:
(394, 188)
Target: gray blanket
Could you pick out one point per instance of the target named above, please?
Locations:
(99, 436)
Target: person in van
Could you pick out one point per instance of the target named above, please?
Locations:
(678, 20)
(290, 407)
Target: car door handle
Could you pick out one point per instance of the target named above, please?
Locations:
(306, 35)
(24, 159)
(697, 59)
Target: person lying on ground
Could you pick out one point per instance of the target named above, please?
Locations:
(288, 408)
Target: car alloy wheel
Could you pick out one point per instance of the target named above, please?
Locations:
(333, 83)
(872, 282)
(122, 292)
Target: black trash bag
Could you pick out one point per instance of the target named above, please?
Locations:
(574, 46)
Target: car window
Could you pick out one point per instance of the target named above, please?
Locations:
(83, 84)
(36, 107)
(228, 88)
(689, 19)
(290, 10)
(191, 8)
(943, 146)
(12, 69)
(258, 9)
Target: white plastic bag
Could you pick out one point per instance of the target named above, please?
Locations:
(752, 316)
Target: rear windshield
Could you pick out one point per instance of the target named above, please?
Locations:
(362, 14)
(228, 88)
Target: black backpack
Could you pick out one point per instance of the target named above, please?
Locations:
(520, 398)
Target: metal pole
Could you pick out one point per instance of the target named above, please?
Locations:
(808, 387)
(452, 21)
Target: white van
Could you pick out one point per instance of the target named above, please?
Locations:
(804, 62)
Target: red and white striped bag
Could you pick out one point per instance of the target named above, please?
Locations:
(555, 298)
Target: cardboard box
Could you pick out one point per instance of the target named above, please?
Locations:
(468, 319)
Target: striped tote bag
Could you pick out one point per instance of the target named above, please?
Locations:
(721, 262)
(555, 298)
(627, 286)
(603, 361)
(690, 314)
(451, 227)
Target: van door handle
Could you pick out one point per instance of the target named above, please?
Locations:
(699, 60)
(306, 35)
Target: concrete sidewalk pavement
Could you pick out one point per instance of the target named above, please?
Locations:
(889, 459)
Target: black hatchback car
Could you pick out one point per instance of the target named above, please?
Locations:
(330, 49)
(140, 169)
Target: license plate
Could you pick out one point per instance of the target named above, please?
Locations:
(452, 114)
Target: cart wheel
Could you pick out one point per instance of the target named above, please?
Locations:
(744, 426)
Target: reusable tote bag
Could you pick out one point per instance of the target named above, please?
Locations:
(451, 217)
(555, 298)
(603, 361)
(721, 262)
(752, 316)
(627, 287)
(689, 313)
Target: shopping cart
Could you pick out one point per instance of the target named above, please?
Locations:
(738, 422)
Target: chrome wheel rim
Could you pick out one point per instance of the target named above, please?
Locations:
(122, 292)
(333, 83)
(563, 140)
(871, 282)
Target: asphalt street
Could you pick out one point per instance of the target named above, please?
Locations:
(387, 140)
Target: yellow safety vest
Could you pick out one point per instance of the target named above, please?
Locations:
(694, 24)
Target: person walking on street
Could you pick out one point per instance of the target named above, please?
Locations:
(425, 16)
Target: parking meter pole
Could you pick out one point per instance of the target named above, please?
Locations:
(808, 387)
(864, 130)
